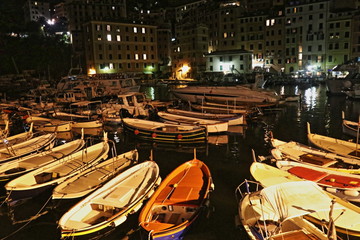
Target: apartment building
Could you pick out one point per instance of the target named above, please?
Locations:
(79, 12)
(339, 35)
(34, 10)
(275, 41)
(229, 61)
(189, 47)
(113, 47)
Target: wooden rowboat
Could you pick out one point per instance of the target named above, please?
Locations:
(350, 128)
(52, 174)
(343, 185)
(212, 126)
(165, 132)
(268, 175)
(110, 205)
(178, 201)
(311, 156)
(20, 166)
(93, 178)
(277, 212)
(338, 146)
(18, 138)
(232, 119)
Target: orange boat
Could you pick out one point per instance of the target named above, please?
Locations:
(177, 202)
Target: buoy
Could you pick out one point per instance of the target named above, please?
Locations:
(331, 190)
(153, 135)
(352, 193)
(179, 136)
(136, 132)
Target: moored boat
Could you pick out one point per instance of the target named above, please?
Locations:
(110, 205)
(307, 155)
(212, 126)
(91, 179)
(49, 125)
(343, 185)
(26, 164)
(232, 119)
(165, 132)
(338, 146)
(178, 201)
(268, 175)
(277, 211)
(36, 144)
(350, 128)
(17, 138)
(43, 178)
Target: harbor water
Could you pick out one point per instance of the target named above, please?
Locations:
(228, 156)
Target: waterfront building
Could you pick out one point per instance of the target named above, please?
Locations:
(34, 10)
(114, 47)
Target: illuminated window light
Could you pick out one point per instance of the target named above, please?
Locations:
(111, 66)
(136, 56)
(118, 38)
(142, 30)
(144, 56)
(135, 29)
(108, 37)
(108, 28)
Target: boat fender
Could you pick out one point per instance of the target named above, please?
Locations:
(331, 190)
(153, 135)
(136, 132)
(276, 153)
(179, 136)
(118, 221)
(352, 193)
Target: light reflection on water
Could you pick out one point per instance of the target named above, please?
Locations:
(228, 157)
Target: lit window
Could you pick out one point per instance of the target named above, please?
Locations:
(118, 38)
(178, 49)
(135, 29)
(118, 29)
(225, 35)
(143, 30)
(136, 56)
(113, 7)
(144, 56)
(98, 27)
(99, 38)
(108, 28)
(108, 37)
(111, 66)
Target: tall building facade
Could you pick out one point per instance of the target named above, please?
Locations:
(113, 47)
(34, 10)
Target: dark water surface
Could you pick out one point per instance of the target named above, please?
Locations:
(228, 157)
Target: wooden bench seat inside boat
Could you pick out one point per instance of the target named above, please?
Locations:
(184, 189)
(307, 173)
(316, 160)
(295, 235)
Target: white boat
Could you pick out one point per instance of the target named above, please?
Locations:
(41, 179)
(350, 128)
(212, 126)
(90, 109)
(49, 125)
(240, 94)
(18, 138)
(110, 205)
(341, 184)
(277, 212)
(232, 119)
(20, 166)
(268, 176)
(219, 109)
(338, 146)
(35, 144)
(134, 102)
(307, 155)
(91, 179)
